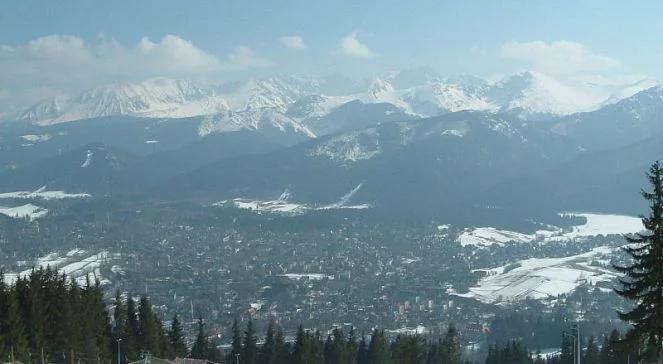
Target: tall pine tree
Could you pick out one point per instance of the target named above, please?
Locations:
(236, 349)
(199, 348)
(130, 341)
(643, 278)
(281, 348)
(378, 349)
(176, 338)
(148, 331)
(268, 349)
(450, 347)
(250, 345)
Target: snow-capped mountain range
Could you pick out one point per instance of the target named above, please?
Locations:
(295, 104)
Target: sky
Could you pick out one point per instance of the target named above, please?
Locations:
(53, 47)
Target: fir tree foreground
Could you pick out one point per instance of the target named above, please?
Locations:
(643, 278)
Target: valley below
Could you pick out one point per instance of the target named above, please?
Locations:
(403, 208)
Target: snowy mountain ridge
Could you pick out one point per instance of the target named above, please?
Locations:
(292, 101)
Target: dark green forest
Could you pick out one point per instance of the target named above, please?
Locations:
(46, 318)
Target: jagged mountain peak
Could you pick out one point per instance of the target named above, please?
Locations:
(528, 94)
(414, 77)
(151, 98)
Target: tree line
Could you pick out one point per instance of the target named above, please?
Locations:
(47, 318)
(608, 351)
(311, 347)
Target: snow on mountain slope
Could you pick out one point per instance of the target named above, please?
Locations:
(380, 91)
(152, 98)
(439, 97)
(350, 147)
(532, 94)
(527, 94)
(252, 119)
(623, 92)
(315, 106)
(273, 93)
(88, 159)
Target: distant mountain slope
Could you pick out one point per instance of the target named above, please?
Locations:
(31, 156)
(295, 100)
(413, 166)
(606, 180)
(320, 147)
(635, 118)
(94, 168)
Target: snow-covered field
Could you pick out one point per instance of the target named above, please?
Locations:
(596, 225)
(28, 211)
(487, 236)
(601, 224)
(75, 264)
(42, 194)
(541, 278)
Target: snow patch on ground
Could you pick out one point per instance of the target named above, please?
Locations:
(42, 194)
(74, 264)
(596, 225)
(418, 330)
(309, 276)
(36, 138)
(88, 159)
(27, 211)
(542, 278)
(284, 206)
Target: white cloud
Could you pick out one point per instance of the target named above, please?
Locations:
(351, 46)
(558, 57)
(245, 57)
(57, 64)
(293, 42)
(174, 55)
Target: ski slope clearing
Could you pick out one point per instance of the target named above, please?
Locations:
(284, 206)
(27, 211)
(542, 278)
(42, 194)
(596, 225)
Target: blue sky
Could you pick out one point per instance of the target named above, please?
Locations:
(230, 39)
